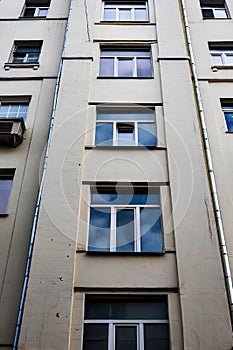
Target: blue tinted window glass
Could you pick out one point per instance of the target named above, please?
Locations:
(126, 116)
(124, 14)
(125, 68)
(126, 197)
(5, 190)
(146, 134)
(106, 67)
(151, 230)
(140, 15)
(95, 337)
(104, 134)
(144, 67)
(125, 230)
(109, 14)
(99, 231)
(229, 120)
(125, 53)
(156, 337)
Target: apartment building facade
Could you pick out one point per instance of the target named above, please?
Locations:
(126, 238)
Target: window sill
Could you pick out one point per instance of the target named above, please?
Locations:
(128, 78)
(3, 215)
(125, 23)
(8, 65)
(131, 148)
(215, 68)
(229, 132)
(217, 19)
(123, 253)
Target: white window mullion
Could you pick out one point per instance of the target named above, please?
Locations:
(141, 337)
(135, 66)
(113, 230)
(116, 59)
(132, 14)
(137, 230)
(117, 14)
(115, 138)
(136, 133)
(223, 56)
(111, 337)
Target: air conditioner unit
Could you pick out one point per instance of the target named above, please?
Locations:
(11, 131)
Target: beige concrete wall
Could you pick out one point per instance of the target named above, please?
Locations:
(27, 158)
(62, 272)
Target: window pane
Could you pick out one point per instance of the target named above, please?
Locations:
(220, 13)
(229, 120)
(99, 231)
(125, 135)
(126, 197)
(126, 309)
(109, 15)
(126, 338)
(125, 68)
(42, 13)
(126, 116)
(95, 337)
(156, 337)
(151, 230)
(104, 134)
(229, 59)
(5, 190)
(124, 14)
(125, 53)
(207, 13)
(125, 230)
(29, 12)
(144, 68)
(106, 67)
(146, 134)
(217, 60)
(140, 15)
(18, 59)
(32, 57)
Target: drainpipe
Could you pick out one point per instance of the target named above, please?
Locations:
(210, 169)
(38, 201)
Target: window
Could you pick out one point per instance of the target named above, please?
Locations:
(214, 9)
(6, 181)
(125, 127)
(221, 53)
(125, 220)
(9, 110)
(227, 108)
(26, 52)
(125, 11)
(126, 324)
(125, 63)
(36, 8)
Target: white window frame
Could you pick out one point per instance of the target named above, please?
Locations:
(129, 7)
(112, 324)
(222, 54)
(134, 64)
(126, 122)
(113, 221)
(214, 10)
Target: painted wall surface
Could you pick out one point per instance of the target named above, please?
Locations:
(38, 86)
(190, 271)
